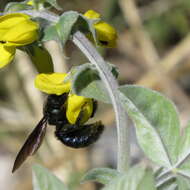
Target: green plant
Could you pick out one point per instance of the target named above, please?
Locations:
(155, 117)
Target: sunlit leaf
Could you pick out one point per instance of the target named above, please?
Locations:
(17, 6)
(172, 186)
(147, 182)
(45, 180)
(184, 169)
(184, 145)
(135, 179)
(53, 3)
(65, 24)
(101, 175)
(183, 183)
(156, 123)
(62, 29)
(167, 183)
(50, 33)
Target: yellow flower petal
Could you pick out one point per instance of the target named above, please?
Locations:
(30, 3)
(10, 20)
(6, 55)
(21, 34)
(91, 14)
(106, 34)
(52, 83)
(76, 105)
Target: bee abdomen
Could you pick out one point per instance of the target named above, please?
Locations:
(82, 137)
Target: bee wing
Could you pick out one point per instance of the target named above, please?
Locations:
(31, 144)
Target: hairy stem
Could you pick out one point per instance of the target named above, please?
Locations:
(121, 119)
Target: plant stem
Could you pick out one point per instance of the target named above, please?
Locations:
(121, 118)
(110, 83)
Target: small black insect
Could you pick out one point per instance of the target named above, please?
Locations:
(72, 135)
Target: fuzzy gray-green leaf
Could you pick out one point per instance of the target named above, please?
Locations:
(135, 179)
(61, 31)
(53, 3)
(86, 82)
(156, 121)
(184, 145)
(65, 24)
(50, 33)
(101, 175)
(183, 183)
(184, 169)
(43, 179)
(14, 6)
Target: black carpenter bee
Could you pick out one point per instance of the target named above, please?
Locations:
(72, 135)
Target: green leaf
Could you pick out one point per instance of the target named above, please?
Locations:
(53, 3)
(101, 175)
(81, 24)
(40, 58)
(91, 29)
(42, 4)
(156, 123)
(74, 179)
(65, 24)
(183, 183)
(14, 6)
(167, 183)
(50, 33)
(86, 82)
(184, 145)
(43, 179)
(158, 171)
(147, 182)
(62, 29)
(172, 186)
(184, 169)
(135, 179)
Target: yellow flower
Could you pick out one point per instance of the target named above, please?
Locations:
(79, 109)
(106, 34)
(91, 14)
(52, 83)
(6, 54)
(30, 3)
(16, 29)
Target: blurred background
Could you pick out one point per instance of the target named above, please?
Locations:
(153, 50)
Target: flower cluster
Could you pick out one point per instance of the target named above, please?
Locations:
(16, 30)
(106, 34)
(75, 105)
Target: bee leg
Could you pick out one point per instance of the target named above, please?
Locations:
(79, 118)
(95, 107)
